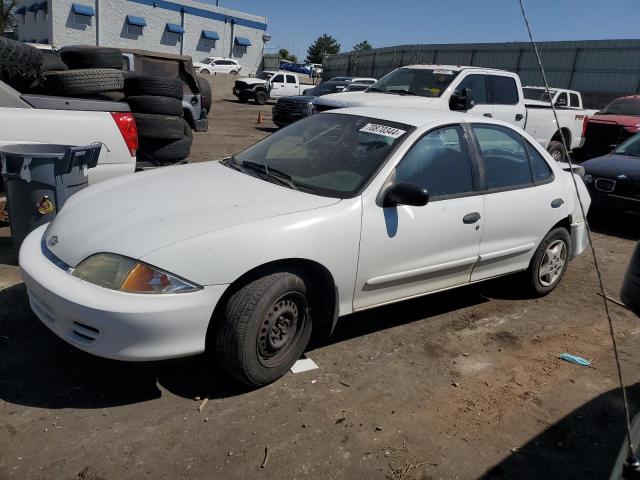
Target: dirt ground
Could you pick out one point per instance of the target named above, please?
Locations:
(459, 385)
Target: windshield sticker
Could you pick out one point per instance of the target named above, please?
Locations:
(383, 130)
(443, 72)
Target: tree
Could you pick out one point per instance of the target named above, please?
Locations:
(362, 46)
(284, 55)
(7, 20)
(324, 45)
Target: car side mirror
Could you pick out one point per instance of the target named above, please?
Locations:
(404, 193)
(561, 102)
(462, 100)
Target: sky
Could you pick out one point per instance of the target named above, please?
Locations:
(295, 24)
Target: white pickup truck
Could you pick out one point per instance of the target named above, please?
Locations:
(266, 85)
(481, 91)
(72, 121)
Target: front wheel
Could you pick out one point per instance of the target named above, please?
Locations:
(557, 151)
(205, 72)
(261, 98)
(234, 72)
(265, 328)
(550, 261)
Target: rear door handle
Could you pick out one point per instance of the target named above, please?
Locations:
(470, 218)
(519, 117)
(557, 203)
(488, 115)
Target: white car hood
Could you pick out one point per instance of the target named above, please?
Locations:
(251, 80)
(140, 213)
(366, 99)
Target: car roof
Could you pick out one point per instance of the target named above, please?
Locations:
(415, 116)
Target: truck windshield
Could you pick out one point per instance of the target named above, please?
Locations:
(537, 94)
(328, 154)
(622, 106)
(264, 75)
(415, 81)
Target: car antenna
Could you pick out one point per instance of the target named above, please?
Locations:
(631, 468)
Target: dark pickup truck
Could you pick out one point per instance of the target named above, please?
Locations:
(289, 109)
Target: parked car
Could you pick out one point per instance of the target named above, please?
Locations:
(321, 219)
(296, 68)
(218, 65)
(289, 109)
(66, 119)
(612, 125)
(266, 85)
(482, 91)
(613, 180)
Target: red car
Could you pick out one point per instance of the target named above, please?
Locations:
(612, 125)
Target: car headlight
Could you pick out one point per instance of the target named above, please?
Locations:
(125, 274)
(587, 179)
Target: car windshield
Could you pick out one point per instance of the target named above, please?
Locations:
(415, 81)
(329, 154)
(325, 88)
(630, 147)
(537, 94)
(264, 75)
(622, 106)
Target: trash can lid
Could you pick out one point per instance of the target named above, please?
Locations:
(38, 150)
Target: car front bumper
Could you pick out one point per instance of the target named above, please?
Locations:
(113, 324)
(608, 201)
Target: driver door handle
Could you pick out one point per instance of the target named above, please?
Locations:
(470, 218)
(488, 115)
(519, 117)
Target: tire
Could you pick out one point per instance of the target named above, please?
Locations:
(168, 152)
(155, 86)
(20, 64)
(79, 57)
(51, 62)
(205, 92)
(557, 151)
(159, 127)
(204, 72)
(261, 98)
(234, 72)
(155, 105)
(84, 82)
(557, 244)
(252, 341)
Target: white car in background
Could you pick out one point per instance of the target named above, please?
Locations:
(218, 65)
(337, 213)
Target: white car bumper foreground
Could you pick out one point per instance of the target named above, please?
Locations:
(113, 324)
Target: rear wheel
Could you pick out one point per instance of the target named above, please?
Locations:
(550, 261)
(557, 151)
(204, 72)
(234, 72)
(265, 329)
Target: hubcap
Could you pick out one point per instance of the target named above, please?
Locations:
(552, 263)
(557, 155)
(280, 329)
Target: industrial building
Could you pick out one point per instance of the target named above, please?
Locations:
(600, 69)
(185, 27)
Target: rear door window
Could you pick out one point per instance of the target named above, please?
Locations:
(504, 90)
(539, 166)
(575, 100)
(291, 79)
(506, 163)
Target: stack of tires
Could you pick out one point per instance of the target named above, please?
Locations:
(20, 64)
(83, 71)
(156, 102)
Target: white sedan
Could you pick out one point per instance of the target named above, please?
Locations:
(339, 212)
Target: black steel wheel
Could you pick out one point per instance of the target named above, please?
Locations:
(265, 328)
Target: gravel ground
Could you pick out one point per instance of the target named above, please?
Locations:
(463, 384)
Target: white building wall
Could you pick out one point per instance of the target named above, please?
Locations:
(109, 28)
(34, 26)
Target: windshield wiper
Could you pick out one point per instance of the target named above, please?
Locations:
(374, 89)
(270, 172)
(402, 92)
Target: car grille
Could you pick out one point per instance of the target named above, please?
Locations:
(240, 85)
(601, 136)
(286, 106)
(628, 189)
(605, 185)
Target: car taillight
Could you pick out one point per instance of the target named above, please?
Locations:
(584, 125)
(128, 129)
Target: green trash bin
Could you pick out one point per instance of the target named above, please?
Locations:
(39, 178)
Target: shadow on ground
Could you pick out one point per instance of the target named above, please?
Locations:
(615, 224)
(39, 369)
(584, 444)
